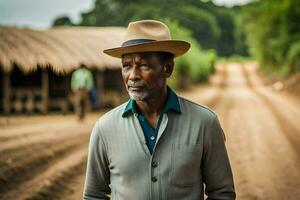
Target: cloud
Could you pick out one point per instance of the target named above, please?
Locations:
(40, 13)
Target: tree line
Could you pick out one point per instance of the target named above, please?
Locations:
(269, 30)
(212, 26)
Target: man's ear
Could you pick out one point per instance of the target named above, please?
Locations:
(168, 67)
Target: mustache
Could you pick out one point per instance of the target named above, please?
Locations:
(136, 83)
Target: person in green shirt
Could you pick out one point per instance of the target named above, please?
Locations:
(81, 84)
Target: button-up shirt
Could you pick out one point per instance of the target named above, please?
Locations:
(171, 105)
(189, 153)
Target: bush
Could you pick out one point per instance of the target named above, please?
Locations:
(293, 57)
(273, 33)
(193, 67)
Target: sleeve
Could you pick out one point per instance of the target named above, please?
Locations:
(97, 174)
(216, 170)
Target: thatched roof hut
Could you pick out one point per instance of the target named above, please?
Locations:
(36, 65)
(62, 49)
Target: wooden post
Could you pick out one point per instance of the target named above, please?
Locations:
(45, 91)
(6, 93)
(100, 87)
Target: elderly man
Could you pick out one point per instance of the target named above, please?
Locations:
(156, 146)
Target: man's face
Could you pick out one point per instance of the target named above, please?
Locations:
(143, 75)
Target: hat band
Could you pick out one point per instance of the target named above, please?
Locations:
(136, 41)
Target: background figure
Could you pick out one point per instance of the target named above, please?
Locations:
(81, 84)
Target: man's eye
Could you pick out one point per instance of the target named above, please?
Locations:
(144, 65)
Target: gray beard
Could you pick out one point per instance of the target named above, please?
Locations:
(138, 96)
(141, 96)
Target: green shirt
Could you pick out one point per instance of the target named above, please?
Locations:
(82, 78)
(150, 134)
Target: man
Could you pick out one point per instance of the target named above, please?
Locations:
(81, 84)
(156, 146)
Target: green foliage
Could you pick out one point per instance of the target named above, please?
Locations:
(212, 26)
(204, 25)
(273, 33)
(63, 21)
(196, 65)
(293, 57)
(227, 42)
(240, 36)
(236, 58)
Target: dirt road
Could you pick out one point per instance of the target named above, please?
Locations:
(44, 157)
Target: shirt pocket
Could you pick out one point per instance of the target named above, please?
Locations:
(186, 165)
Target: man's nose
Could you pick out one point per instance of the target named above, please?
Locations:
(134, 74)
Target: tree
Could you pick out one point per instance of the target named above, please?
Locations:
(273, 33)
(63, 21)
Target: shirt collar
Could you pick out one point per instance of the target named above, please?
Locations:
(172, 103)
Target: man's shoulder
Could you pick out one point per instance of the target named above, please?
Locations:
(197, 110)
(113, 115)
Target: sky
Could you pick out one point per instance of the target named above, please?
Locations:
(39, 14)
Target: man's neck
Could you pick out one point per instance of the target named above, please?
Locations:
(154, 106)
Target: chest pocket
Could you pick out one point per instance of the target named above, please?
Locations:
(186, 165)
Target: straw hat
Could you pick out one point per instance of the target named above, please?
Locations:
(146, 36)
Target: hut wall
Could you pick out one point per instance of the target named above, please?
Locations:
(59, 92)
(27, 92)
(43, 90)
(2, 89)
(100, 89)
(115, 91)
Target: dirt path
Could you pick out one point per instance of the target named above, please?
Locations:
(262, 139)
(44, 157)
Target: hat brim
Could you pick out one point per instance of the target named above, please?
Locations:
(175, 47)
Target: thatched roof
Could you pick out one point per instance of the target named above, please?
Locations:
(63, 48)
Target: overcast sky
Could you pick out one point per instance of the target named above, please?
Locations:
(40, 13)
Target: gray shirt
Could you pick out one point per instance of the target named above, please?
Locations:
(189, 153)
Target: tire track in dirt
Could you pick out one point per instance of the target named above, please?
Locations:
(28, 130)
(76, 187)
(221, 87)
(17, 155)
(31, 165)
(227, 108)
(212, 94)
(44, 160)
(18, 145)
(46, 133)
(289, 130)
(263, 161)
(15, 148)
(53, 182)
(61, 186)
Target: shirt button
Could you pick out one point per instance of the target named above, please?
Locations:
(153, 179)
(154, 164)
(135, 114)
(152, 138)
